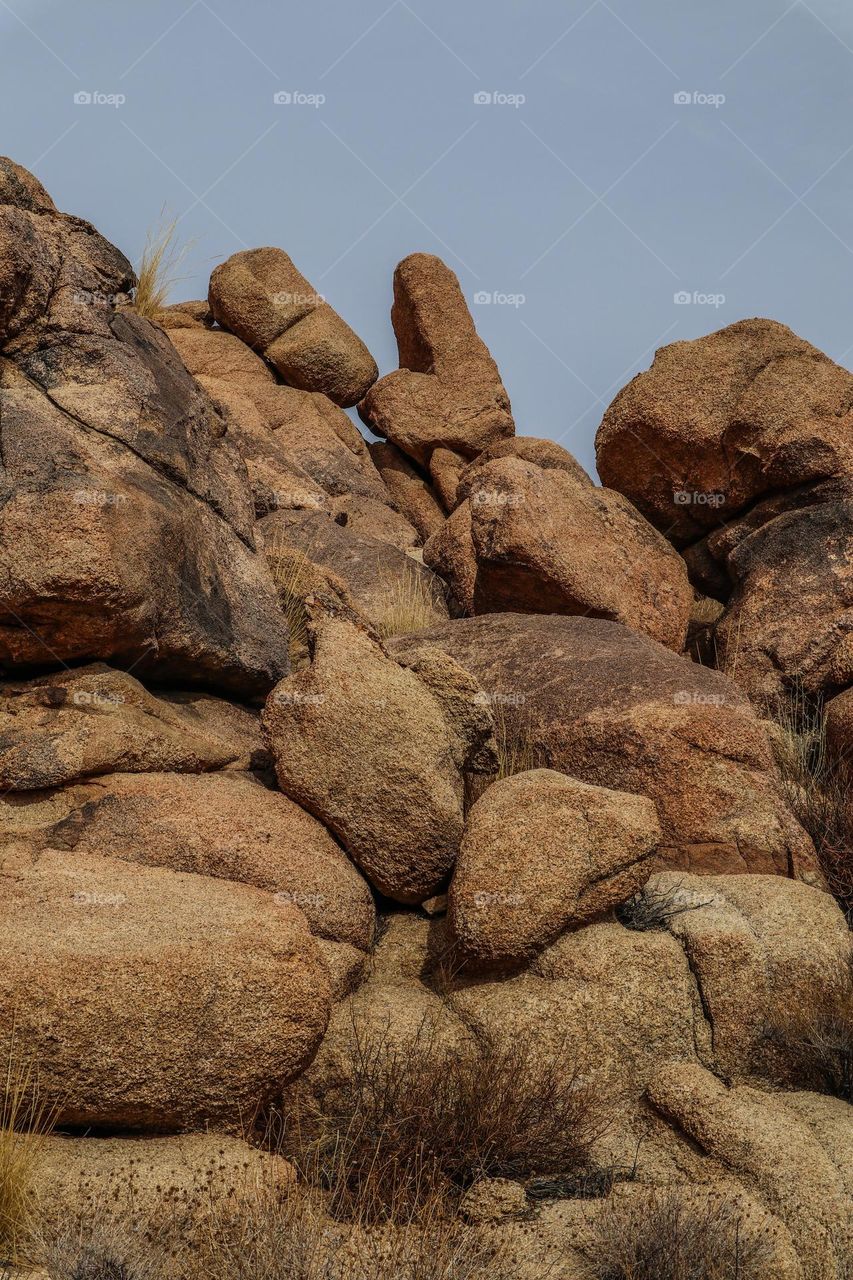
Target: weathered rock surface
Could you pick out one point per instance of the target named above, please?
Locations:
(388, 587)
(719, 421)
(126, 515)
(612, 708)
(259, 295)
(447, 392)
(361, 742)
(543, 541)
(92, 720)
(762, 1140)
(227, 826)
(409, 490)
(153, 1000)
(542, 852)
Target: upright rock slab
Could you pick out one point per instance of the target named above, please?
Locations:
(261, 296)
(447, 392)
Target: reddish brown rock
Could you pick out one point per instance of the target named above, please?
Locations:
(259, 295)
(445, 468)
(543, 852)
(447, 391)
(409, 491)
(722, 420)
(613, 708)
(543, 541)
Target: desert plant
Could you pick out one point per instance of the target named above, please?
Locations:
(516, 749)
(159, 268)
(293, 574)
(817, 1039)
(25, 1121)
(408, 603)
(405, 1120)
(668, 1237)
(653, 907)
(815, 786)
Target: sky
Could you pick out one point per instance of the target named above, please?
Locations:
(605, 176)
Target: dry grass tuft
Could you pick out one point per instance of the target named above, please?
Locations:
(815, 788)
(653, 908)
(159, 269)
(516, 748)
(406, 1121)
(294, 575)
(668, 1238)
(410, 603)
(25, 1121)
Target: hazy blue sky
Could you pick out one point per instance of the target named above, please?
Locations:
(597, 199)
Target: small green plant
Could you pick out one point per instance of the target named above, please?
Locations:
(159, 268)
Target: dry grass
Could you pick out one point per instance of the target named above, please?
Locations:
(410, 602)
(25, 1121)
(817, 1041)
(816, 789)
(294, 576)
(653, 908)
(159, 269)
(516, 749)
(108, 1246)
(668, 1238)
(405, 1121)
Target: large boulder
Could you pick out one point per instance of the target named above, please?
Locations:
(227, 826)
(152, 1000)
(91, 720)
(613, 708)
(720, 421)
(259, 295)
(542, 539)
(447, 391)
(409, 490)
(360, 741)
(125, 513)
(543, 852)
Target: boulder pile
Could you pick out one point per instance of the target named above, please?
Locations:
(301, 734)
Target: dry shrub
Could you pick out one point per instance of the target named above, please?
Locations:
(404, 1121)
(159, 269)
(667, 1237)
(25, 1121)
(409, 602)
(816, 788)
(817, 1041)
(653, 907)
(294, 575)
(109, 1245)
(516, 748)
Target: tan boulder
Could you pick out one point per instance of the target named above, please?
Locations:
(371, 518)
(542, 453)
(93, 720)
(612, 708)
(192, 314)
(227, 826)
(21, 188)
(409, 490)
(541, 853)
(260, 296)
(361, 742)
(147, 999)
(543, 541)
(445, 468)
(722, 420)
(447, 391)
(776, 1155)
(839, 731)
